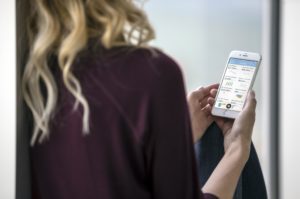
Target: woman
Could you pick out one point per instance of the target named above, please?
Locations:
(111, 120)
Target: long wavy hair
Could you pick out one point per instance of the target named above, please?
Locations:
(62, 28)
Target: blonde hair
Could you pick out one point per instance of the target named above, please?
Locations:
(62, 29)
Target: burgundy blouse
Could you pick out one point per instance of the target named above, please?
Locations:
(140, 142)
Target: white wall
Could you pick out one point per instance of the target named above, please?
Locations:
(7, 99)
(290, 99)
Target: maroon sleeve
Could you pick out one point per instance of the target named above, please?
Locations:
(169, 149)
(209, 196)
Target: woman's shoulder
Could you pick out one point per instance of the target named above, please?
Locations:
(155, 71)
(131, 58)
(137, 67)
(159, 65)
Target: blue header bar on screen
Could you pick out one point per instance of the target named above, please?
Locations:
(242, 62)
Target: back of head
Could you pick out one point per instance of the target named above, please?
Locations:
(62, 29)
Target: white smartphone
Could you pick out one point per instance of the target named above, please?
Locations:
(237, 80)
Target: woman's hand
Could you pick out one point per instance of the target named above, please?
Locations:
(239, 131)
(237, 141)
(200, 104)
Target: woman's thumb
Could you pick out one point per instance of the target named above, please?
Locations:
(251, 101)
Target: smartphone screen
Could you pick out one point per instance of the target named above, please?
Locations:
(236, 83)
